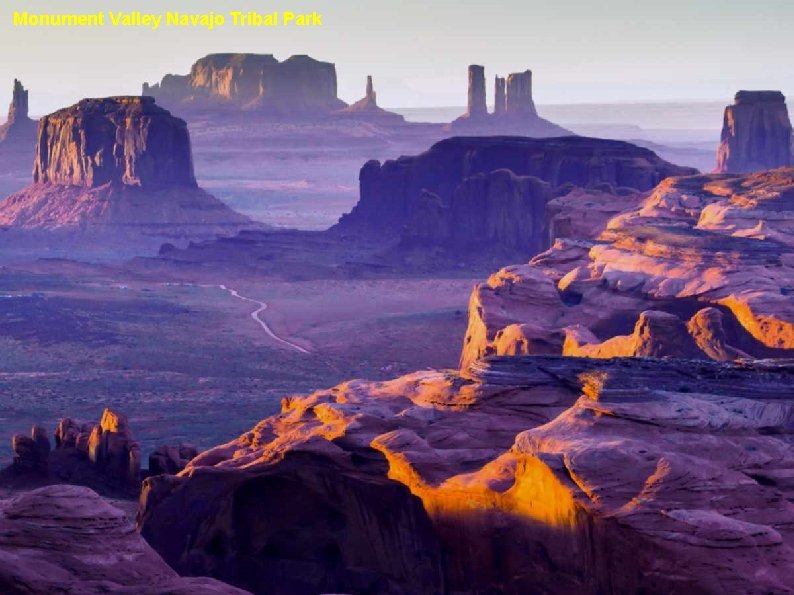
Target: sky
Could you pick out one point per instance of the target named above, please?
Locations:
(580, 51)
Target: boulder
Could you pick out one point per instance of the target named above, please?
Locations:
(171, 460)
(756, 134)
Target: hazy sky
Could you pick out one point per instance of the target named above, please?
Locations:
(580, 50)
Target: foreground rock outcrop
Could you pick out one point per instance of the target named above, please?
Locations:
(479, 192)
(120, 162)
(66, 539)
(756, 134)
(716, 252)
(519, 475)
(298, 86)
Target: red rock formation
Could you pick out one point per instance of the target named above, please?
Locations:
(121, 139)
(298, 86)
(500, 97)
(514, 111)
(390, 193)
(538, 474)
(756, 133)
(367, 109)
(519, 101)
(477, 106)
(496, 210)
(720, 241)
(66, 539)
(18, 126)
(120, 161)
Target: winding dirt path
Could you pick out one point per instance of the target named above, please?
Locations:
(255, 315)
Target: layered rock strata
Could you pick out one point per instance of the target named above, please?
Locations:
(455, 190)
(66, 539)
(521, 474)
(719, 248)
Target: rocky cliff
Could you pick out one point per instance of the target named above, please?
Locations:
(297, 86)
(120, 161)
(756, 133)
(519, 475)
(455, 191)
(129, 140)
(716, 252)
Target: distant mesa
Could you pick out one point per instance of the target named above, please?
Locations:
(368, 109)
(497, 193)
(514, 108)
(756, 134)
(298, 86)
(118, 161)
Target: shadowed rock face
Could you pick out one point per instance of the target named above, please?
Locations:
(391, 193)
(299, 85)
(538, 474)
(756, 134)
(66, 539)
(715, 253)
(120, 161)
(128, 140)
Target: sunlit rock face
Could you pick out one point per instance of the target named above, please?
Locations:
(393, 193)
(66, 539)
(756, 133)
(715, 251)
(299, 85)
(128, 140)
(119, 161)
(536, 474)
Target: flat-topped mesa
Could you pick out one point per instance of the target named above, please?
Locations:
(18, 126)
(299, 85)
(121, 140)
(756, 133)
(477, 108)
(120, 162)
(392, 194)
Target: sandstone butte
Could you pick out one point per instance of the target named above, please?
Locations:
(756, 133)
(298, 86)
(119, 162)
